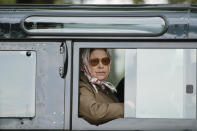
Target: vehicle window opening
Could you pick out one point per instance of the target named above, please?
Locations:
(150, 83)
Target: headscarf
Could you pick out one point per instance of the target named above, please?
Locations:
(92, 80)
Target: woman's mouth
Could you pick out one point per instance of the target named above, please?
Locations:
(100, 73)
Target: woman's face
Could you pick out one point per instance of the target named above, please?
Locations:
(101, 69)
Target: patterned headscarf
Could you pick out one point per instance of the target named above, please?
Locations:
(94, 81)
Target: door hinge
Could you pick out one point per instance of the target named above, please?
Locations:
(64, 66)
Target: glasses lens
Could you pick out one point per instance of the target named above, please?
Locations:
(94, 62)
(106, 61)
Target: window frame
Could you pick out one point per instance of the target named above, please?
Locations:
(127, 123)
(106, 14)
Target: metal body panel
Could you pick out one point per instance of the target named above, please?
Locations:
(17, 89)
(49, 102)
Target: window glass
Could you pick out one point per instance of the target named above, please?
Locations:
(117, 66)
(17, 83)
(160, 83)
(95, 25)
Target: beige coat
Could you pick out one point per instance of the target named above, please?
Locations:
(98, 108)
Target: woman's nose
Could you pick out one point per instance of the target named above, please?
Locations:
(100, 65)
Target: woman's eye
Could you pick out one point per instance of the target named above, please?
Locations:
(94, 62)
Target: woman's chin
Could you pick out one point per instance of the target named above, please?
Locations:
(101, 78)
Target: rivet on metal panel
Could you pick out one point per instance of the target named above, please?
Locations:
(22, 122)
(28, 53)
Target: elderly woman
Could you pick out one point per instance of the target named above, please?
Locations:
(98, 104)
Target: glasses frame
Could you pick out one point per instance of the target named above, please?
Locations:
(100, 60)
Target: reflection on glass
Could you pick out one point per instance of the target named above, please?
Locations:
(165, 84)
(17, 83)
(130, 82)
(97, 25)
(117, 66)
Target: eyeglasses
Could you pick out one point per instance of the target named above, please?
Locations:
(95, 61)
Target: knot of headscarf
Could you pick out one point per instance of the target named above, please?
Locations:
(92, 80)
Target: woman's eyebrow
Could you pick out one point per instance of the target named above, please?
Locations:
(99, 58)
